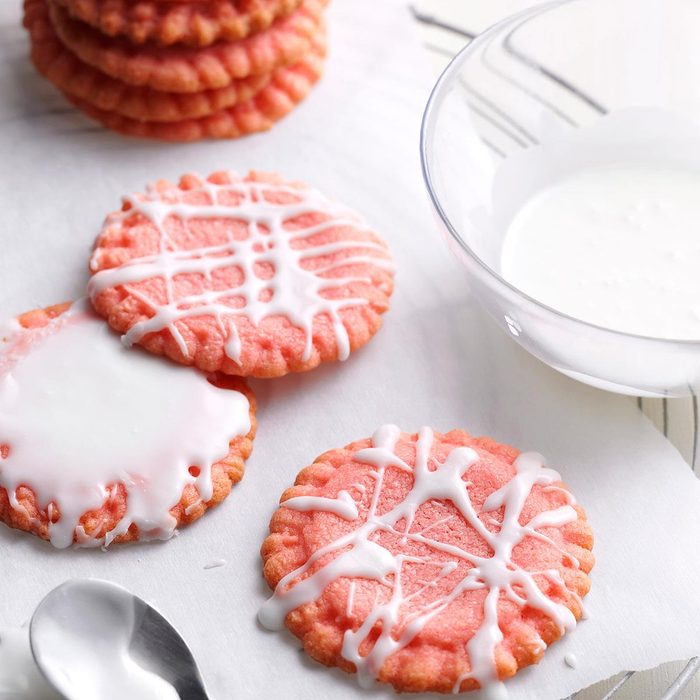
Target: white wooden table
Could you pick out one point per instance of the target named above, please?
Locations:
(446, 26)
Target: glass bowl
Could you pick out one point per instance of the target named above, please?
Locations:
(552, 69)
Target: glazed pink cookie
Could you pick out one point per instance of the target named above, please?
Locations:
(102, 444)
(250, 276)
(432, 562)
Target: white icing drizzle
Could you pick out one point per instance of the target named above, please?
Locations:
(570, 660)
(215, 564)
(351, 598)
(359, 555)
(81, 414)
(570, 499)
(296, 290)
(193, 506)
(343, 505)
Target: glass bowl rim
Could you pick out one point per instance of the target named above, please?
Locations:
(432, 108)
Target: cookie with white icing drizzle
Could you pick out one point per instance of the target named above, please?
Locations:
(250, 276)
(100, 443)
(432, 562)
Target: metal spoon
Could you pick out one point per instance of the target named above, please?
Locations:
(81, 629)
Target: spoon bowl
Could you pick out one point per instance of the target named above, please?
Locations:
(92, 638)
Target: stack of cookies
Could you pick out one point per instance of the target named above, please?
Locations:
(180, 70)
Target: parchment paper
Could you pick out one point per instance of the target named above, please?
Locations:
(438, 361)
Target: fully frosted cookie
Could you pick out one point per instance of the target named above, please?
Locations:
(284, 90)
(101, 444)
(191, 22)
(68, 73)
(182, 69)
(249, 276)
(432, 562)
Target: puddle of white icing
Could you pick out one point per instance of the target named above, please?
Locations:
(92, 649)
(357, 554)
(20, 679)
(81, 412)
(618, 246)
(601, 222)
(295, 290)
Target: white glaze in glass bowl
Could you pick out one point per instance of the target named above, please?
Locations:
(556, 67)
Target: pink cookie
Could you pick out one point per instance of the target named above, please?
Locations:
(249, 276)
(432, 562)
(91, 452)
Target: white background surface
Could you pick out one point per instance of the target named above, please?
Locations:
(437, 361)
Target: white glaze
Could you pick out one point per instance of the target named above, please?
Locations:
(570, 660)
(92, 650)
(358, 555)
(615, 245)
(297, 292)
(20, 679)
(82, 413)
(343, 505)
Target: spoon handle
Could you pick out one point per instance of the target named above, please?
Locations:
(193, 692)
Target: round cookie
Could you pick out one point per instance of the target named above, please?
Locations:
(189, 22)
(102, 444)
(248, 276)
(182, 69)
(286, 88)
(70, 75)
(431, 562)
